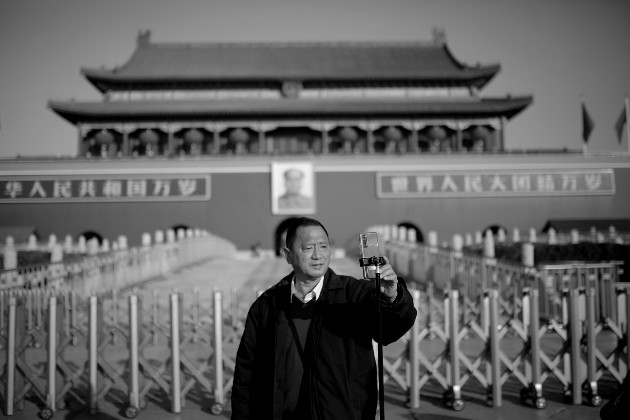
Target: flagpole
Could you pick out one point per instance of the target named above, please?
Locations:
(584, 141)
(627, 109)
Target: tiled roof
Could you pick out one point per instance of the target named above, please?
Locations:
(417, 62)
(287, 108)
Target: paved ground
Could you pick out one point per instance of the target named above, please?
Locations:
(250, 273)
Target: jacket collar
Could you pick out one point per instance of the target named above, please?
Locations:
(283, 287)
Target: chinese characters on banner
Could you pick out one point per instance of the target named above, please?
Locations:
(103, 188)
(495, 184)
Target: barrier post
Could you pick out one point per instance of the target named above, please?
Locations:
(234, 306)
(430, 310)
(535, 390)
(3, 298)
(527, 308)
(154, 317)
(134, 386)
(195, 324)
(93, 356)
(575, 333)
(10, 369)
(494, 349)
(66, 312)
(176, 403)
(73, 317)
(115, 315)
(414, 351)
(454, 396)
(51, 396)
(590, 387)
(219, 398)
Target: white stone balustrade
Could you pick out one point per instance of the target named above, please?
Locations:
(103, 269)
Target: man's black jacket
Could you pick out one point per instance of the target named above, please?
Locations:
(338, 356)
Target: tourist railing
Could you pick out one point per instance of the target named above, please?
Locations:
(57, 347)
(561, 323)
(482, 327)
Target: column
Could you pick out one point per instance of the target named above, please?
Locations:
(501, 145)
(82, 147)
(170, 140)
(216, 141)
(125, 143)
(460, 138)
(325, 138)
(370, 137)
(413, 137)
(262, 142)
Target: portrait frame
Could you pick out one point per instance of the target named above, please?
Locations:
(280, 204)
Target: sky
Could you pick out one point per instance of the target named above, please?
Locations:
(558, 51)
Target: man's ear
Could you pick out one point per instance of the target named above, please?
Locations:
(287, 254)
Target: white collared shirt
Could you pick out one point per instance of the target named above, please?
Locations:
(313, 294)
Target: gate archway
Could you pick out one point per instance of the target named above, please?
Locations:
(412, 226)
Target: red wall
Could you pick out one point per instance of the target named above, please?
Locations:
(240, 209)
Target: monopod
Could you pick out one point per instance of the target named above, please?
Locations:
(369, 258)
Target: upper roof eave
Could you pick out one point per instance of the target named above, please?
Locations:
(105, 81)
(76, 112)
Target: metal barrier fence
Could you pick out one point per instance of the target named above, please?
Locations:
(58, 346)
(133, 348)
(565, 323)
(481, 325)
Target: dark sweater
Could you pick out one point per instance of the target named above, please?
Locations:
(299, 316)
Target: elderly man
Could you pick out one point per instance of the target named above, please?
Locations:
(306, 352)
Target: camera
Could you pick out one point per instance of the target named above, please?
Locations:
(370, 254)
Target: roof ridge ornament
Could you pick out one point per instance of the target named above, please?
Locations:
(144, 38)
(439, 35)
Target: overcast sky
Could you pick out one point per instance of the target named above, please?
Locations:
(555, 50)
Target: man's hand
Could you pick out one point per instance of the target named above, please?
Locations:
(389, 281)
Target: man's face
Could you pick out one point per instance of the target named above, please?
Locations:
(293, 182)
(310, 253)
